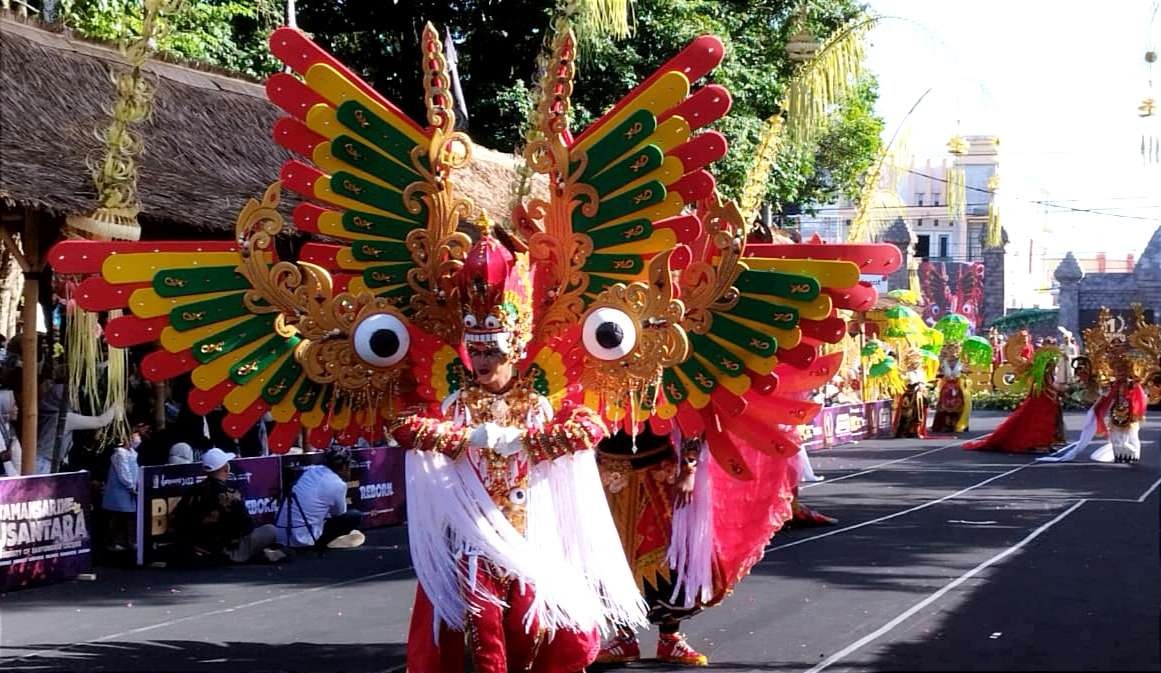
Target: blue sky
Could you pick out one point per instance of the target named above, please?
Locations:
(1058, 81)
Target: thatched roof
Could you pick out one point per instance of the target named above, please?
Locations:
(207, 145)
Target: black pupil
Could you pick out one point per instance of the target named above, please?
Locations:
(385, 343)
(610, 335)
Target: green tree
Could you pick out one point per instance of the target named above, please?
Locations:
(228, 34)
(498, 41)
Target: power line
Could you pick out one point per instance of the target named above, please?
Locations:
(1050, 204)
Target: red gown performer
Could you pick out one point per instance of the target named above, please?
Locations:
(1038, 423)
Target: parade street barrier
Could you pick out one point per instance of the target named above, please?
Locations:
(259, 480)
(44, 529)
(845, 423)
(376, 488)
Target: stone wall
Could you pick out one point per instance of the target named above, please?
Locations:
(994, 295)
(901, 236)
(1081, 295)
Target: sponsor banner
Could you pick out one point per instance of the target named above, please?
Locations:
(259, 480)
(845, 423)
(376, 483)
(376, 489)
(879, 414)
(810, 434)
(44, 529)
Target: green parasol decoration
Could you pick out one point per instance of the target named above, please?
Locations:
(882, 368)
(954, 327)
(977, 351)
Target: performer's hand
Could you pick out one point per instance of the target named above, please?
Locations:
(683, 489)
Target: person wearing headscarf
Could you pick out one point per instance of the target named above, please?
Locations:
(9, 442)
(180, 454)
(120, 497)
(54, 403)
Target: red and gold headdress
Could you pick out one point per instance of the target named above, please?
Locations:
(1116, 350)
(495, 292)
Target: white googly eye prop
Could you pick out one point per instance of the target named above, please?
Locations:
(609, 334)
(491, 322)
(381, 340)
(470, 321)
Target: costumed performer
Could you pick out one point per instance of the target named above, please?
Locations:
(911, 405)
(1120, 361)
(653, 484)
(510, 536)
(953, 405)
(1037, 424)
(507, 536)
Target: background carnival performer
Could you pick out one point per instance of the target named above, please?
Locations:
(911, 406)
(653, 485)
(953, 405)
(1114, 367)
(1120, 412)
(1038, 423)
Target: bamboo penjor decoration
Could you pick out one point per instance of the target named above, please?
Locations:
(827, 75)
(115, 218)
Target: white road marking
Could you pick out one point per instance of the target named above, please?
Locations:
(211, 613)
(909, 510)
(889, 626)
(1151, 489)
(874, 468)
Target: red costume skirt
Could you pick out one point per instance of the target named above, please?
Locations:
(1033, 427)
(949, 406)
(496, 638)
(911, 412)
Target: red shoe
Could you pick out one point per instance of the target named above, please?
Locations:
(672, 648)
(804, 516)
(620, 650)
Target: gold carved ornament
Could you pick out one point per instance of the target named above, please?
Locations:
(708, 284)
(439, 249)
(302, 296)
(661, 341)
(1113, 348)
(1009, 375)
(559, 253)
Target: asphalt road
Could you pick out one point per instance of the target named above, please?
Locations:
(942, 560)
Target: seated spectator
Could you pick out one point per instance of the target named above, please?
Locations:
(316, 512)
(180, 454)
(212, 523)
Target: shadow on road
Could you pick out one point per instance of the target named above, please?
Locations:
(1062, 604)
(203, 657)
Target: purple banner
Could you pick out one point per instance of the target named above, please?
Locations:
(845, 423)
(44, 529)
(810, 434)
(375, 487)
(879, 418)
(258, 479)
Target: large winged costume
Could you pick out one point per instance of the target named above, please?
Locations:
(626, 295)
